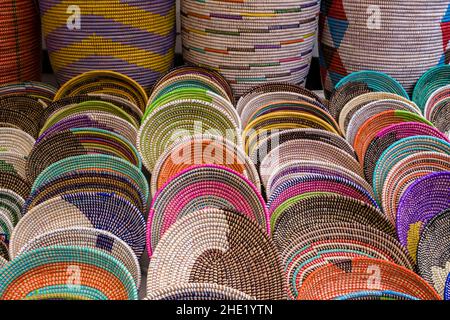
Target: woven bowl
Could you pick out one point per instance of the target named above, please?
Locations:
(430, 81)
(16, 141)
(360, 274)
(91, 210)
(34, 89)
(199, 291)
(221, 247)
(101, 240)
(65, 270)
(422, 200)
(199, 187)
(333, 242)
(11, 204)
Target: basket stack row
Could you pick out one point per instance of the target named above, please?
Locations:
(405, 156)
(325, 221)
(82, 226)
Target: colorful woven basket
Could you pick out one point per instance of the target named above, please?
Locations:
(422, 200)
(135, 38)
(37, 90)
(430, 81)
(21, 41)
(67, 272)
(201, 149)
(11, 205)
(433, 251)
(361, 274)
(359, 35)
(85, 209)
(333, 242)
(199, 187)
(15, 141)
(405, 172)
(250, 42)
(221, 247)
(199, 291)
(101, 240)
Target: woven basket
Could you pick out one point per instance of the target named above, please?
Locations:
(11, 204)
(201, 149)
(430, 81)
(136, 39)
(440, 116)
(401, 40)
(199, 291)
(250, 44)
(93, 162)
(21, 41)
(360, 274)
(306, 150)
(307, 211)
(422, 200)
(6, 225)
(402, 149)
(86, 209)
(66, 271)
(37, 90)
(300, 168)
(15, 183)
(221, 247)
(16, 141)
(433, 259)
(199, 187)
(368, 295)
(79, 141)
(333, 242)
(92, 238)
(406, 172)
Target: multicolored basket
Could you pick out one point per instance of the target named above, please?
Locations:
(422, 200)
(433, 259)
(11, 205)
(21, 41)
(333, 242)
(199, 187)
(134, 38)
(37, 90)
(359, 35)
(104, 211)
(66, 272)
(221, 247)
(430, 81)
(251, 42)
(199, 291)
(361, 274)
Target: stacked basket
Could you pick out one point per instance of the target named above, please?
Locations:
(389, 36)
(134, 38)
(407, 161)
(251, 42)
(21, 108)
(190, 141)
(20, 43)
(84, 217)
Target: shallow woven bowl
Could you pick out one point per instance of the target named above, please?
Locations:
(87, 209)
(101, 240)
(51, 268)
(203, 186)
(221, 247)
(199, 291)
(360, 274)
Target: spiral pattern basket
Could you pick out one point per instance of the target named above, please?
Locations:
(201, 149)
(430, 81)
(11, 205)
(433, 258)
(334, 242)
(250, 42)
(102, 211)
(15, 141)
(37, 90)
(361, 274)
(21, 41)
(382, 36)
(101, 240)
(199, 291)
(221, 247)
(66, 272)
(422, 200)
(134, 38)
(199, 187)
(406, 172)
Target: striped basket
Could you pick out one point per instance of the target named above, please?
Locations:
(20, 41)
(136, 38)
(402, 39)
